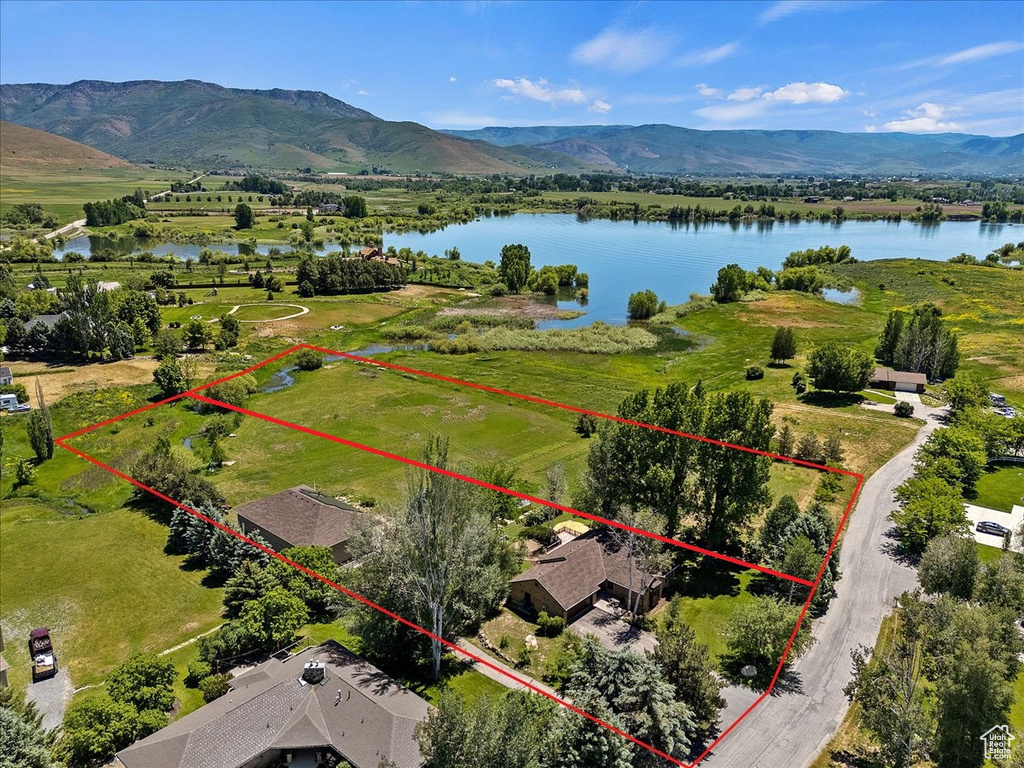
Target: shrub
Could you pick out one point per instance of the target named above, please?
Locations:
(309, 360)
(754, 372)
(214, 686)
(644, 305)
(498, 289)
(197, 672)
(544, 534)
(15, 389)
(550, 626)
(586, 425)
(903, 409)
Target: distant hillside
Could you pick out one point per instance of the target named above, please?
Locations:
(670, 149)
(23, 150)
(206, 125)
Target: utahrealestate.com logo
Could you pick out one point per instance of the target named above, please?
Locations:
(997, 742)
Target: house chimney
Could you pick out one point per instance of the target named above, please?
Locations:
(313, 672)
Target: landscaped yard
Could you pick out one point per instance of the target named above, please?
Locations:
(507, 631)
(1001, 486)
(710, 594)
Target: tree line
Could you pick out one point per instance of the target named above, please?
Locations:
(108, 213)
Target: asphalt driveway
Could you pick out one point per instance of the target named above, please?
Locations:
(613, 633)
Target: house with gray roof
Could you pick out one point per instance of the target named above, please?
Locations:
(301, 517)
(571, 578)
(322, 706)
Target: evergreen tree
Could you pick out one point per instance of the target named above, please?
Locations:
(250, 582)
(686, 664)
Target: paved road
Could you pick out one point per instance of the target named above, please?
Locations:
(66, 228)
(791, 728)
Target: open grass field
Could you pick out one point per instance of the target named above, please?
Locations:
(982, 305)
(100, 582)
(63, 194)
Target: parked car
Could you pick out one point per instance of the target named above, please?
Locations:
(21, 408)
(987, 526)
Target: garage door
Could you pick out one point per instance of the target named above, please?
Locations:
(903, 386)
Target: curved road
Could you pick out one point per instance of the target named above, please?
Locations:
(792, 728)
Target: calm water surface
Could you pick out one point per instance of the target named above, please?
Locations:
(622, 257)
(675, 261)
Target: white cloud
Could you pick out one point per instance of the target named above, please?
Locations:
(967, 55)
(451, 79)
(927, 118)
(708, 56)
(807, 93)
(361, 92)
(541, 91)
(746, 94)
(708, 92)
(600, 106)
(346, 84)
(979, 52)
(622, 51)
(746, 103)
(783, 8)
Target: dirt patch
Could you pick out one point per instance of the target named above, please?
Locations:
(59, 381)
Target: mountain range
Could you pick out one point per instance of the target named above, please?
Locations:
(669, 149)
(204, 125)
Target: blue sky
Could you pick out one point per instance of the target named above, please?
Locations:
(848, 66)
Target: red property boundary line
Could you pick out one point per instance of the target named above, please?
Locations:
(194, 394)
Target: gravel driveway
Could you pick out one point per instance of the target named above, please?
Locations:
(51, 697)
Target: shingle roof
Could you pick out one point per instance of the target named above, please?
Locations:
(358, 710)
(5, 372)
(302, 517)
(574, 571)
(885, 374)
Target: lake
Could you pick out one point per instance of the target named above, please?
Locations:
(623, 257)
(125, 246)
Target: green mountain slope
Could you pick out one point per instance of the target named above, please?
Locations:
(206, 125)
(670, 149)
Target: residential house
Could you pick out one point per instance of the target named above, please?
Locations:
(572, 577)
(301, 517)
(899, 381)
(371, 252)
(6, 377)
(322, 706)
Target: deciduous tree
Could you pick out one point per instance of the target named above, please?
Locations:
(839, 369)
(783, 345)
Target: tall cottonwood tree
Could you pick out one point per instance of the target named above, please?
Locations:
(438, 562)
(721, 487)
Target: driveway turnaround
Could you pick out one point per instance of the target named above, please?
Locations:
(792, 727)
(613, 633)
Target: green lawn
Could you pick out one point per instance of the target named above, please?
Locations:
(711, 593)
(102, 583)
(1001, 487)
